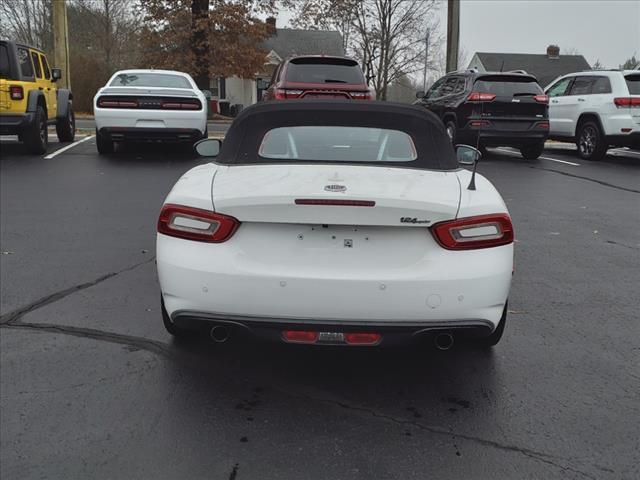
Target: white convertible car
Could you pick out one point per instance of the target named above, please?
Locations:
(337, 223)
(149, 105)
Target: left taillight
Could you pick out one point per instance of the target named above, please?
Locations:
(196, 224)
(482, 231)
(16, 92)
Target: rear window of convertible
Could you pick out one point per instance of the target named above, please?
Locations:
(337, 144)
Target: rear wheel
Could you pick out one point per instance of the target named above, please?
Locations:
(533, 151)
(450, 127)
(494, 338)
(66, 127)
(590, 141)
(36, 137)
(104, 143)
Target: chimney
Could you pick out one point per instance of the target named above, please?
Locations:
(553, 51)
(271, 25)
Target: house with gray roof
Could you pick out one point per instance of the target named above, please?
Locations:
(545, 67)
(282, 43)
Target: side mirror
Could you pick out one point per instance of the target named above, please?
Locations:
(56, 74)
(467, 155)
(207, 94)
(420, 94)
(208, 147)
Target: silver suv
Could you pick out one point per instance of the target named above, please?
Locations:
(596, 110)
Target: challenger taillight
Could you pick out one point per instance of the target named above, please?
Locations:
(627, 102)
(287, 94)
(481, 97)
(196, 224)
(106, 102)
(482, 231)
(181, 105)
(541, 99)
(16, 92)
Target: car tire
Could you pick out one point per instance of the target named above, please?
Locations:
(496, 335)
(590, 141)
(36, 137)
(66, 127)
(170, 326)
(104, 143)
(450, 128)
(533, 151)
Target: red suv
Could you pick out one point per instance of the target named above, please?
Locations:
(318, 76)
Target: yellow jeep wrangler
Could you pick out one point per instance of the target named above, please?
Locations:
(29, 98)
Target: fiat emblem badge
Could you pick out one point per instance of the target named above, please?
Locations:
(335, 188)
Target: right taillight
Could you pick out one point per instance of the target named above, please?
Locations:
(541, 98)
(481, 97)
(482, 231)
(196, 224)
(626, 102)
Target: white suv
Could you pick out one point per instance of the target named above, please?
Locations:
(596, 110)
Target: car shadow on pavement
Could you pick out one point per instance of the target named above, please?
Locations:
(419, 379)
(144, 153)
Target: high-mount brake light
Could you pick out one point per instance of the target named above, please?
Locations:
(481, 97)
(340, 203)
(16, 92)
(482, 231)
(196, 224)
(541, 98)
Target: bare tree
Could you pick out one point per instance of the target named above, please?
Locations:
(28, 21)
(387, 36)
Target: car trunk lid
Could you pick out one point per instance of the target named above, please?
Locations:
(336, 194)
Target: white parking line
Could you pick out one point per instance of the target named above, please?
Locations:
(544, 158)
(64, 149)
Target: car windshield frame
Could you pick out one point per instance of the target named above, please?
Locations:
(141, 79)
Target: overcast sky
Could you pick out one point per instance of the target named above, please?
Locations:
(608, 30)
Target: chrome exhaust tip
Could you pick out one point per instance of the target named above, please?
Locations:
(219, 334)
(444, 341)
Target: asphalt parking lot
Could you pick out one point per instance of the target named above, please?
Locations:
(91, 385)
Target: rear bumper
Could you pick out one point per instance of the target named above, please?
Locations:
(171, 120)
(496, 134)
(629, 140)
(270, 329)
(226, 282)
(12, 124)
(151, 134)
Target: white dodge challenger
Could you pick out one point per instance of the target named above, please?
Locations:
(149, 105)
(338, 223)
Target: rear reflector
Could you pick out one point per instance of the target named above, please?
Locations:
(362, 338)
(479, 123)
(342, 203)
(300, 336)
(543, 125)
(481, 97)
(196, 224)
(483, 231)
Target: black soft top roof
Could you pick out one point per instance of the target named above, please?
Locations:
(433, 147)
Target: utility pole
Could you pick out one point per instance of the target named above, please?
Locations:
(61, 41)
(453, 34)
(426, 58)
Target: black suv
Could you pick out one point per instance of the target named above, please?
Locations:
(491, 109)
